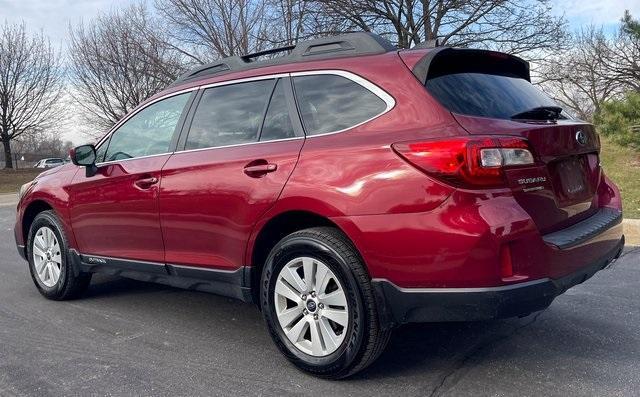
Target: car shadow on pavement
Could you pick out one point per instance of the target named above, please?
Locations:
(442, 351)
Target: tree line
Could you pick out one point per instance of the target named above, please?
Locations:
(118, 59)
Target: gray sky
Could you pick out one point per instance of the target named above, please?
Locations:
(54, 16)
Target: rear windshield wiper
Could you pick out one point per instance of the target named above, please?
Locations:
(539, 113)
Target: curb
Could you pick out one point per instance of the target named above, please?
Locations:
(8, 199)
(631, 232)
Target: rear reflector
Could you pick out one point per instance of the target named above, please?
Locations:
(506, 265)
(470, 162)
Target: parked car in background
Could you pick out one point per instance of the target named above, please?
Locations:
(49, 163)
(346, 188)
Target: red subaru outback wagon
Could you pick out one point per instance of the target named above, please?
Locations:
(345, 187)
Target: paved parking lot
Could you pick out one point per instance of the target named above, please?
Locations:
(132, 338)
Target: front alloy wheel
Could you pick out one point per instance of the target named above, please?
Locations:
(311, 306)
(47, 256)
(50, 268)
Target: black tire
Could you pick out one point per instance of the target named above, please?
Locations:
(69, 285)
(365, 339)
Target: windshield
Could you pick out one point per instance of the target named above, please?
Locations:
(487, 95)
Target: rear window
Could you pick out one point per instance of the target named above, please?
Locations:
(487, 95)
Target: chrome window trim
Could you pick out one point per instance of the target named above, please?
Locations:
(374, 89)
(132, 158)
(377, 91)
(245, 80)
(237, 144)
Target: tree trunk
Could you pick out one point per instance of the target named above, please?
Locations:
(8, 159)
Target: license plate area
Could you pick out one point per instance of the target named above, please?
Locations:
(570, 179)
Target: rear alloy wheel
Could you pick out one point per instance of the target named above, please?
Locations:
(311, 306)
(318, 303)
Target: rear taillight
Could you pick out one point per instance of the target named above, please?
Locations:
(468, 161)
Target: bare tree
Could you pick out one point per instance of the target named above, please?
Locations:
(290, 21)
(623, 57)
(47, 144)
(287, 20)
(210, 29)
(117, 61)
(579, 78)
(514, 26)
(30, 76)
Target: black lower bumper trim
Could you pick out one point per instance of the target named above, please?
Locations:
(582, 231)
(404, 305)
(21, 248)
(227, 283)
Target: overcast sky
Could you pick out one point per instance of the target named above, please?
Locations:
(54, 16)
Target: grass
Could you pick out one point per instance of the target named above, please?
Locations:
(11, 180)
(622, 165)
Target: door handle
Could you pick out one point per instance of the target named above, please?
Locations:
(257, 170)
(146, 183)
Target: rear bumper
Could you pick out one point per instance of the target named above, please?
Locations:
(403, 305)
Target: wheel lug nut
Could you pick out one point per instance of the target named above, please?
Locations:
(320, 305)
(305, 312)
(313, 294)
(315, 316)
(304, 297)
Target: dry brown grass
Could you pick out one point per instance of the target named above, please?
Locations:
(11, 180)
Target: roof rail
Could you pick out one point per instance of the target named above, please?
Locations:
(249, 57)
(349, 44)
(432, 43)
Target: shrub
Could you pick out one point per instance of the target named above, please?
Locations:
(619, 119)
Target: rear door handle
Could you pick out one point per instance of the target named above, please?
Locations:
(146, 183)
(258, 170)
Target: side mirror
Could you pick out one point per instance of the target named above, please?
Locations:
(85, 156)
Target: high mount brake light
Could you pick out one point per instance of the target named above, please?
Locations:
(468, 161)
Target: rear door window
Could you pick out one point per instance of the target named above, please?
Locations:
(487, 95)
(331, 103)
(229, 115)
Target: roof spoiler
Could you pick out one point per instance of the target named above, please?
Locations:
(447, 60)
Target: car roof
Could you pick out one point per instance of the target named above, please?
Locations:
(346, 45)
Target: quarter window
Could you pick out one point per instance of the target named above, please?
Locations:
(149, 131)
(229, 115)
(330, 103)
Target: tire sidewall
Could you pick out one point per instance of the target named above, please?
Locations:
(299, 246)
(49, 220)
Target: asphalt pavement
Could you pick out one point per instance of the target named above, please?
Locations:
(133, 338)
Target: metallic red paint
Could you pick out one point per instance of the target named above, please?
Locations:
(208, 204)
(411, 229)
(112, 214)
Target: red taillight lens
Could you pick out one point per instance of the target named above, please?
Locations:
(468, 161)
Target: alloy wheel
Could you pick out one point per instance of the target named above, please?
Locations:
(311, 306)
(47, 257)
